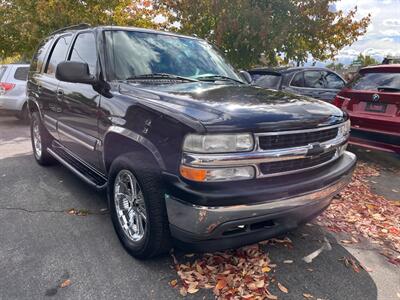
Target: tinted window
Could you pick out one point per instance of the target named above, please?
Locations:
(40, 55)
(21, 73)
(134, 53)
(333, 81)
(269, 81)
(2, 71)
(84, 50)
(371, 81)
(314, 79)
(298, 80)
(58, 54)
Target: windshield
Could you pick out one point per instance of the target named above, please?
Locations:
(133, 53)
(373, 81)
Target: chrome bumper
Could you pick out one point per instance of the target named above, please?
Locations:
(201, 221)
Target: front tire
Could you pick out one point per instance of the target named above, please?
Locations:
(41, 140)
(137, 206)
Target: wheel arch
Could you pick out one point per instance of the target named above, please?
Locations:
(118, 141)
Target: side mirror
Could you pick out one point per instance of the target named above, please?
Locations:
(72, 71)
(246, 76)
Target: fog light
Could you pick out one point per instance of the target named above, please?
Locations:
(217, 174)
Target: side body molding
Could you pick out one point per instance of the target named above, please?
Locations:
(137, 138)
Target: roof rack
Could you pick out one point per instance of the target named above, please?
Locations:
(73, 27)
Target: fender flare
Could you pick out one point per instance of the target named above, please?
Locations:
(141, 140)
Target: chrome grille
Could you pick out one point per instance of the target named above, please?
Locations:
(296, 164)
(280, 141)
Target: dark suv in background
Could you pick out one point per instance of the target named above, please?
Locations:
(318, 83)
(186, 150)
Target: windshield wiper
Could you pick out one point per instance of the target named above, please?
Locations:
(217, 77)
(160, 76)
(388, 88)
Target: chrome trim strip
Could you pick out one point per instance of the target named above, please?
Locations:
(74, 138)
(300, 131)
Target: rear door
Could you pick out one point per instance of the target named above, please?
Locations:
(50, 97)
(77, 124)
(374, 101)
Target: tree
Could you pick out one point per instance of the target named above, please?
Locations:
(365, 60)
(335, 66)
(244, 30)
(25, 22)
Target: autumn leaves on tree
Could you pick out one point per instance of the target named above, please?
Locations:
(277, 30)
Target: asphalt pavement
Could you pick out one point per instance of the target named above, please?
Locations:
(41, 245)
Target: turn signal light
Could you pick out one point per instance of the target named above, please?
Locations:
(193, 173)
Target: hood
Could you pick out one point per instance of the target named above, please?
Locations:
(228, 108)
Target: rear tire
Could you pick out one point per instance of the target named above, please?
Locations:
(41, 140)
(143, 209)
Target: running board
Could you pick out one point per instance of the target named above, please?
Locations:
(84, 173)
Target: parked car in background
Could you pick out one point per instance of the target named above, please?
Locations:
(319, 83)
(13, 98)
(372, 100)
(187, 151)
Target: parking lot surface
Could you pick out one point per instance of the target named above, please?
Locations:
(42, 245)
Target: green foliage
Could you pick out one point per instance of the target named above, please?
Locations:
(25, 22)
(365, 60)
(246, 29)
(335, 66)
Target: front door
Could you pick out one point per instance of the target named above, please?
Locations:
(77, 124)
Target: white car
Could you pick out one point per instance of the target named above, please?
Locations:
(13, 98)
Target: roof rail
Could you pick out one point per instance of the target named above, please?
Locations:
(73, 27)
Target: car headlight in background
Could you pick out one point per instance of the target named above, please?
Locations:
(345, 128)
(217, 174)
(218, 143)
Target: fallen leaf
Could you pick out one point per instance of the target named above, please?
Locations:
(266, 269)
(271, 297)
(282, 288)
(65, 283)
(308, 296)
(173, 282)
(220, 284)
(288, 261)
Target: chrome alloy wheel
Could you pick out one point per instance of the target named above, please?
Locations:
(37, 140)
(129, 205)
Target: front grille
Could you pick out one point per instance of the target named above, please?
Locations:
(295, 164)
(269, 142)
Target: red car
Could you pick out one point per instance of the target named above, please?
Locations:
(372, 101)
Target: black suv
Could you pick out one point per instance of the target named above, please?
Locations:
(188, 152)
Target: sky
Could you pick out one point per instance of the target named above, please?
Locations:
(383, 33)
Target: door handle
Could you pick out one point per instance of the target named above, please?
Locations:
(60, 93)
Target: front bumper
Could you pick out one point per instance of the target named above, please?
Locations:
(219, 227)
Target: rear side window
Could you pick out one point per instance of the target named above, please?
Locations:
(59, 54)
(84, 50)
(333, 81)
(38, 59)
(2, 71)
(298, 80)
(373, 81)
(314, 79)
(21, 73)
(269, 81)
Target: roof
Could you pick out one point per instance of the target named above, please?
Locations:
(281, 70)
(381, 68)
(85, 26)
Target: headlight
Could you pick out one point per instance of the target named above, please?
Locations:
(217, 174)
(218, 143)
(345, 128)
